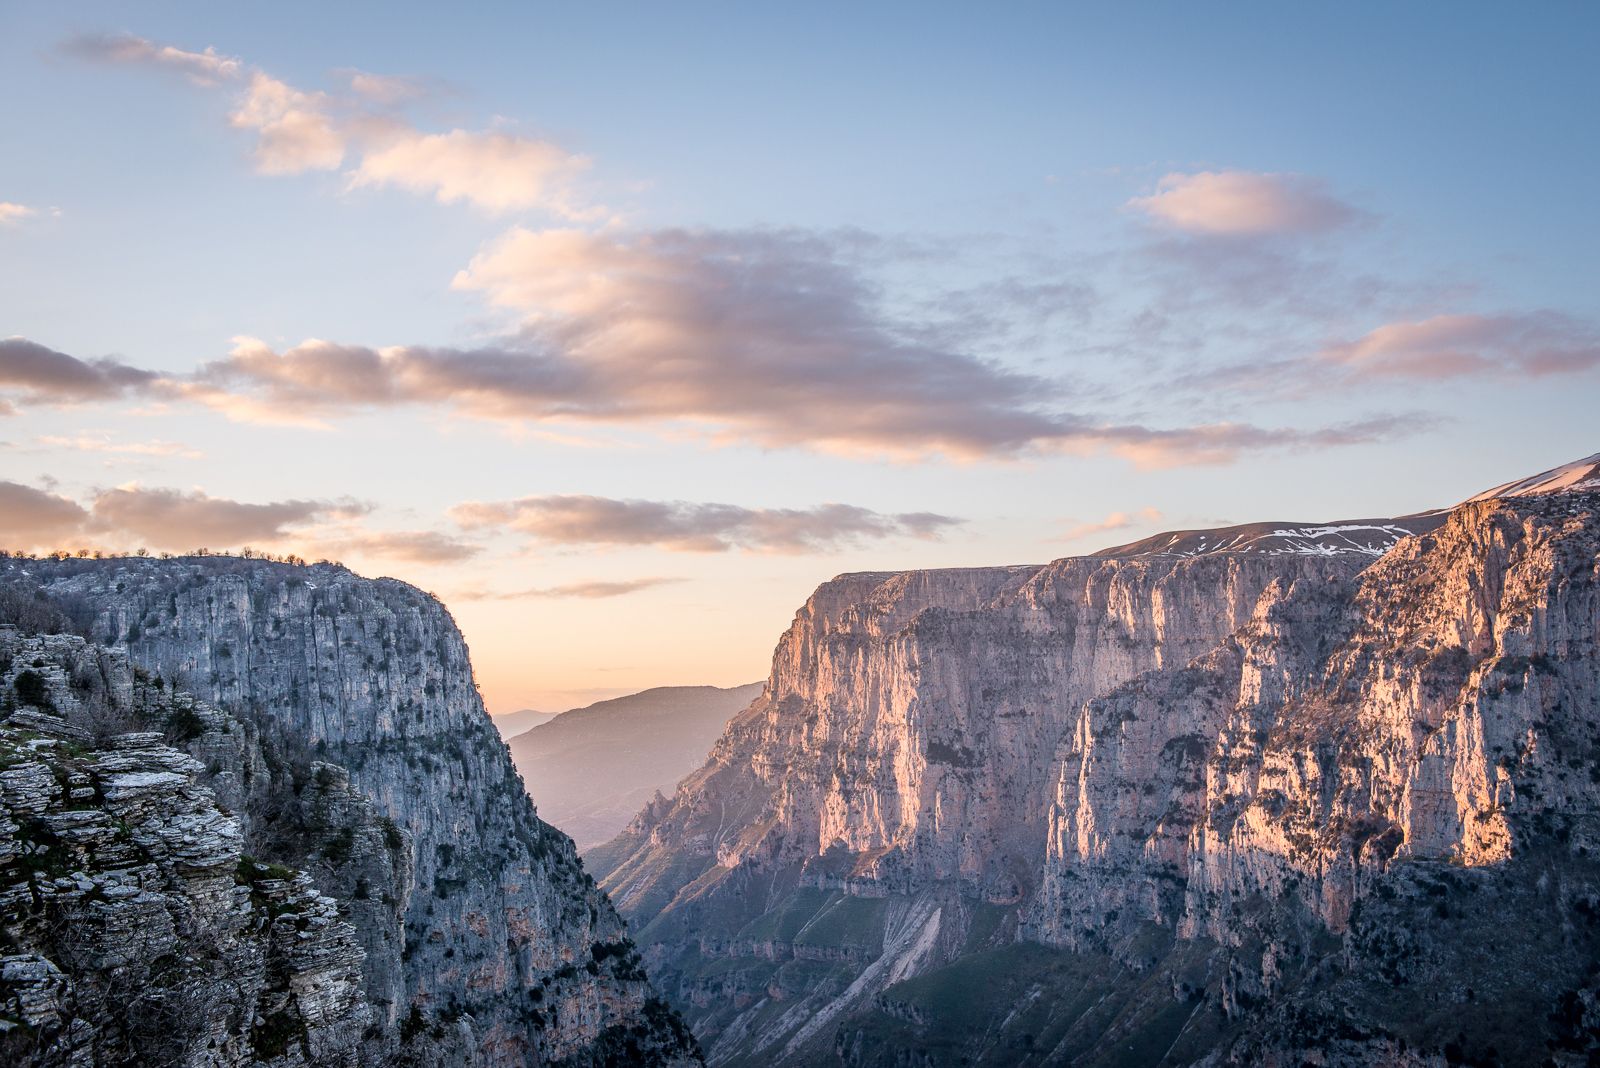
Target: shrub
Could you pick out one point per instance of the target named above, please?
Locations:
(31, 690)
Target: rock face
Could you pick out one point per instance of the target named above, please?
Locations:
(137, 929)
(590, 770)
(360, 752)
(1233, 806)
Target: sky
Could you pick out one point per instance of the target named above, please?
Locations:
(622, 327)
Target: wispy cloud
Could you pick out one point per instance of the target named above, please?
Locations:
(88, 443)
(1454, 346)
(1244, 203)
(11, 214)
(207, 68)
(578, 590)
(684, 526)
(1114, 521)
(299, 130)
(411, 546)
(388, 90)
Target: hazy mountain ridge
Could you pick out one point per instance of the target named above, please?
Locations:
(1236, 806)
(511, 724)
(498, 949)
(590, 770)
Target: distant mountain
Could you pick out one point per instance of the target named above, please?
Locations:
(511, 724)
(592, 769)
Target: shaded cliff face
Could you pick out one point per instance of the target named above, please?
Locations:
(1238, 805)
(137, 929)
(502, 950)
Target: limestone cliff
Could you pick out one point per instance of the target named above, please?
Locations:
(1223, 804)
(359, 751)
(137, 929)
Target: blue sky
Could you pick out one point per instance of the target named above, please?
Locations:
(989, 280)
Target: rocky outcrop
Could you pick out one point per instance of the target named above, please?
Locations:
(137, 930)
(1243, 806)
(363, 756)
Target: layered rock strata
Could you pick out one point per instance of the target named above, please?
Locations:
(1228, 806)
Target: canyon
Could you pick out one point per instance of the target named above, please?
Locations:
(1279, 794)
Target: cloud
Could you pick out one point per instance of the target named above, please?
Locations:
(388, 90)
(11, 214)
(206, 68)
(753, 336)
(1223, 443)
(413, 546)
(683, 526)
(157, 447)
(30, 517)
(294, 130)
(181, 520)
(300, 130)
(42, 375)
(1244, 203)
(770, 338)
(1114, 521)
(494, 171)
(322, 377)
(581, 590)
(1454, 346)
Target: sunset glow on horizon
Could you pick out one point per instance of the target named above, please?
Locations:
(622, 329)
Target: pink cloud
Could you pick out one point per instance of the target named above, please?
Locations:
(1243, 203)
(685, 526)
(1454, 346)
(1114, 521)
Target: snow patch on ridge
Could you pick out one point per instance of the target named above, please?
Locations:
(1580, 476)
